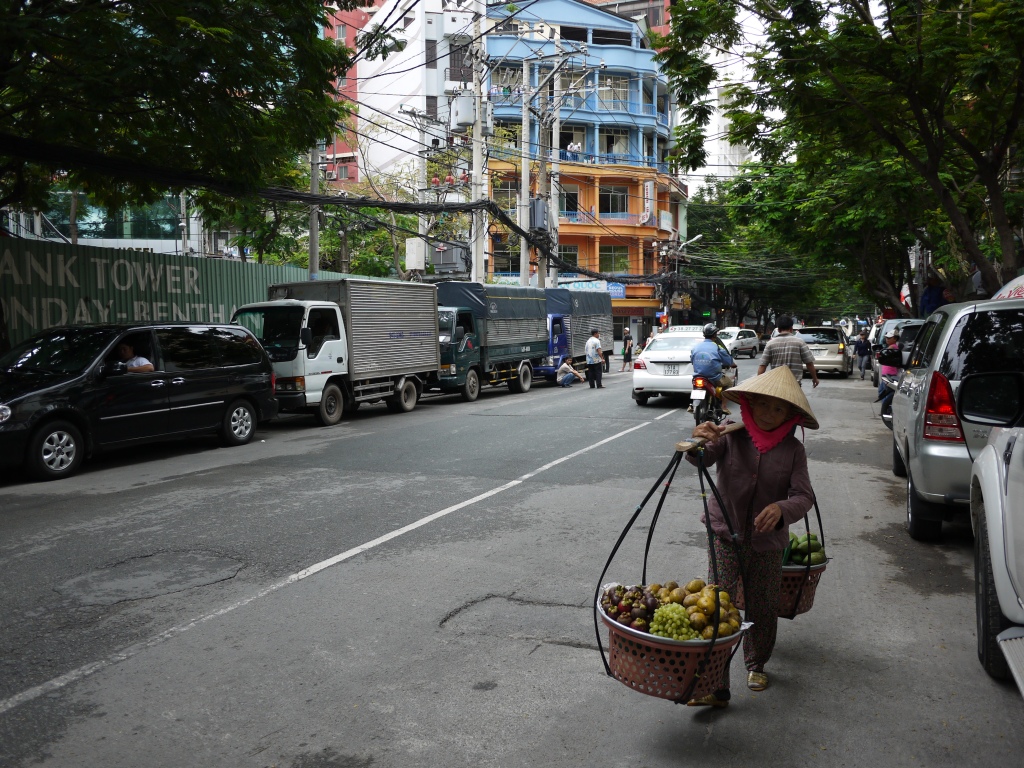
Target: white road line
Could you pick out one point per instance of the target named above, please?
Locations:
(659, 418)
(133, 650)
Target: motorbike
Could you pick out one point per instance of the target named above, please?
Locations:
(707, 399)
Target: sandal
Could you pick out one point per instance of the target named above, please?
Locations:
(757, 681)
(711, 700)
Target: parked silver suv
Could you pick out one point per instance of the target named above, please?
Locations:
(930, 445)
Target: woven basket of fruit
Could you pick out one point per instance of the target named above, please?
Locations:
(797, 591)
(656, 637)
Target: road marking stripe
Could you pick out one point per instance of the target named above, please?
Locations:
(659, 418)
(133, 650)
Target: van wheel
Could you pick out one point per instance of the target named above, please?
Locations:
(898, 467)
(471, 389)
(920, 528)
(523, 381)
(404, 400)
(56, 450)
(990, 618)
(239, 423)
(332, 406)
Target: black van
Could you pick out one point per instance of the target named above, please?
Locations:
(67, 392)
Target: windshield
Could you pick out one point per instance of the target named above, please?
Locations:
(67, 350)
(725, 334)
(673, 344)
(277, 328)
(445, 323)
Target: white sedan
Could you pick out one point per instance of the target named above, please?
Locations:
(664, 368)
(995, 401)
(739, 341)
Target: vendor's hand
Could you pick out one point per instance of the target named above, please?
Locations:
(816, 382)
(768, 519)
(708, 431)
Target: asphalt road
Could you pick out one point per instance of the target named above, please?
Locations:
(415, 590)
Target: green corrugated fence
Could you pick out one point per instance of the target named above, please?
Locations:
(43, 284)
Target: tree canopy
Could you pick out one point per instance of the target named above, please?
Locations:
(935, 83)
(231, 89)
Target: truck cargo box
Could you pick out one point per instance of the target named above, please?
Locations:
(586, 311)
(512, 314)
(391, 324)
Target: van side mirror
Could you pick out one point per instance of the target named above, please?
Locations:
(306, 336)
(116, 368)
(891, 356)
(991, 399)
(460, 333)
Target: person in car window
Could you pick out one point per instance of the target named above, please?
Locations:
(135, 363)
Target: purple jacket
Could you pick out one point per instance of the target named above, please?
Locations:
(748, 482)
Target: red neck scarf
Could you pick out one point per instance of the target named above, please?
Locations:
(763, 439)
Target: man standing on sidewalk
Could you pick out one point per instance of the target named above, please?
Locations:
(788, 350)
(595, 360)
(863, 349)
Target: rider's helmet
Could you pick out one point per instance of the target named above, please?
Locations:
(710, 331)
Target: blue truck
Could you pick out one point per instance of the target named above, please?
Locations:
(571, 317)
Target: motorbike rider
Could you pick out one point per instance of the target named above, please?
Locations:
(709, 357)
(887, 372)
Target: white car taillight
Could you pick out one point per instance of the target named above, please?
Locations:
(639, 364)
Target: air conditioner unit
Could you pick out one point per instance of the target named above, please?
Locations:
(331, 175)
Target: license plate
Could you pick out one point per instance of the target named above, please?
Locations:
(698, 394)
(672, 369)
(819, 352)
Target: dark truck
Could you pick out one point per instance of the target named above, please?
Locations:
(572, 316)
(490, 334)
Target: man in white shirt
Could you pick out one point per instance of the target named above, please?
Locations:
(566, 375)
(135, 363)
(595, 360)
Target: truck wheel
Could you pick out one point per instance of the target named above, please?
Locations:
(523, 381)
(239, 424)
(471, 389)
(920, 528)
(404, 400)
(332, 406)
(990, 618)
(56, 450)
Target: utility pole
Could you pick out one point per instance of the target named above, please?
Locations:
(524, 179)
(479, 274)
(184, 224)
(556, 156)
(314, 213)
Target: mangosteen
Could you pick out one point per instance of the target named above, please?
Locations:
(640, 624)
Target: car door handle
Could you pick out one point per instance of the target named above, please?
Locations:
(157, 383)
(178, 380)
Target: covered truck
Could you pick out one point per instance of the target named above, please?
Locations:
(336, 344)
(572, 317)
(490, 334)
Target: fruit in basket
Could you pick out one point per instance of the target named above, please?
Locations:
(671, 621)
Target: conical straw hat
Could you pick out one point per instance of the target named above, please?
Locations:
(780, 383)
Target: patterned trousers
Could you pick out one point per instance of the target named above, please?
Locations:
(761, 594)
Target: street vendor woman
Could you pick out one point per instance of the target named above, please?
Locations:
(762, 479)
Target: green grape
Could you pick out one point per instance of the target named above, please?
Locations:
(671, 621)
